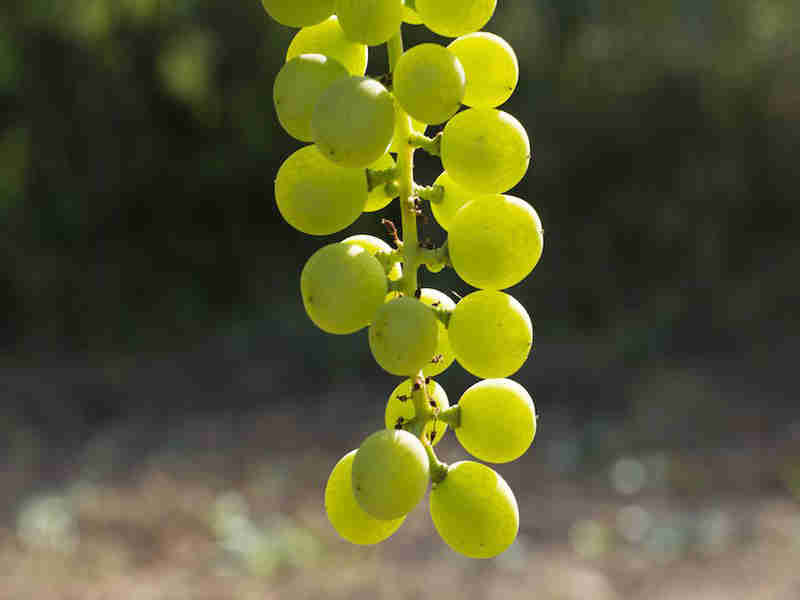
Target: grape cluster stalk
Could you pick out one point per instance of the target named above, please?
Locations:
(362, 134)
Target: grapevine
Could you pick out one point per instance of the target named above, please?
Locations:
(355, 125)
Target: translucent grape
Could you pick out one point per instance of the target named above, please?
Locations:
(453, 199)
(298, 13)
(498, 420)
(429, 83)
(403, 336)
(410, 16)
(390, 473)
(397, 409)
(299, 86)
(443, 356)
(345, 514)
(490, 333)
(474, 510)
(485, 150)
(353, 122)
(328, 38)
(342, 286)
(452, 18)
(379, 197)
(316, 196)
(374, 245)
(495, 241)
(491, 68)
(370, 22)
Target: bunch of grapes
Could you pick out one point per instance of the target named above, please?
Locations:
(363, 133)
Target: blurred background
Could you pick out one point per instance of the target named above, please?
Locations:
(169, 415)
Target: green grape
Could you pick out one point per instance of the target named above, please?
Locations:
(348, 518)
(342, 286)
(410, 16)
(491, 68)
(403, 336)
(452, 18)
(328, 38)
(474, 510)
(298, 13)
(429, 83)
(417, 127)
(495, 241)
(353, 122)
(491, 334)
(498, 420)
(453, 199)
(486, 150)
(443, 356)
(378, 198)
(316, 196)
(298, 88)
(390, 473)
(370, 22)
(374, 245)
(397, 409)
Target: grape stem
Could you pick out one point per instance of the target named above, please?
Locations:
(432, 146)
(432, 193)
(380, 177)
(438, 469)
(451, 416)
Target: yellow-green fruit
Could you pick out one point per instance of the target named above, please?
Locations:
(298, 13)
(497, 420)
(403, 336)
(370, 22)
(328, 38)
(379, 197)
(474, 510)
(452, 18)
(345, 514)
(410, 16)
(390, 473)
(400, 408)
(443, 356)
(417, 127)
(490, 333)
(453, 198)
(491, 68)
(342, 287)
(374, 245)
(495, 241)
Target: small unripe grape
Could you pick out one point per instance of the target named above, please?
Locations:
(342, 287)
(452, 18)
(490, 66)
(390, 473)
(353, 122)
(328, 38)
(370, 22)
(316, 196)
(485, 150)
(495, 241)
(345, 514)
(298, 88)
(403, 336)
(429, 83)
(491, 334)
(474, 510)
(298, 13)
(497, 420)
(374, 245)
(400, 408)
(443, 356)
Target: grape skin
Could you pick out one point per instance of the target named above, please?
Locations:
(342, 286)
(298, 13)
(328, 38)
(345, 514)
(452, 18)
(396, 408)
(474, 510)
(353, 122)
(374, 245)
(410, 16)
(490, 333)
(443, 350)
(316, 196)
(497, 420)
(485, 150)
(491, 68)
(495, 241)
(370, 22)
(453, 198)
(298, 86)
(378, 198)
(390, 473)
(403, 336)
(429, 83)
